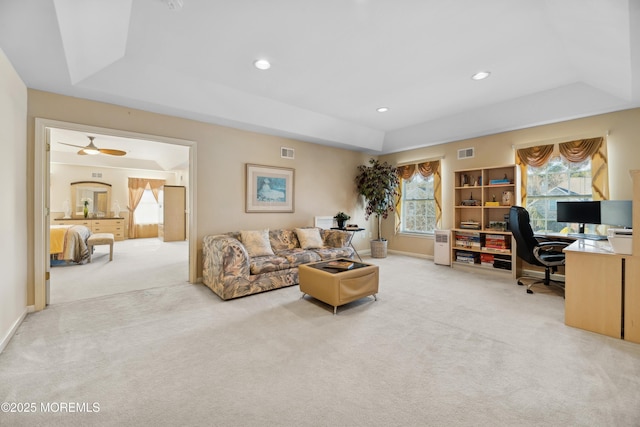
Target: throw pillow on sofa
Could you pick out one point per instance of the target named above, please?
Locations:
(309, 238)
(256, 242)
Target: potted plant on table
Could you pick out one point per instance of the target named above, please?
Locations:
(340, 218)
(378, 184)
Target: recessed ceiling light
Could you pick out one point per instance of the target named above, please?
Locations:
(262, 64)
(382, 109)
(481, 75)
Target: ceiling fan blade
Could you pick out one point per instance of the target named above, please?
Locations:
(93, 149)
(71, 145)
(112, 152)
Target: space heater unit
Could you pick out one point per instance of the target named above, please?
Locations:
(442, 247)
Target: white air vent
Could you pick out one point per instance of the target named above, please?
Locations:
(442, 238)
(96, 174)
(287, 153)
(466, 153)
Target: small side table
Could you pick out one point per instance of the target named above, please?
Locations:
(352, 232)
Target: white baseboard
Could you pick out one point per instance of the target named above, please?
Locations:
(13, 329)
(367, 252)
(412, 254)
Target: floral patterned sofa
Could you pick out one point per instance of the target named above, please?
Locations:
(242, 263)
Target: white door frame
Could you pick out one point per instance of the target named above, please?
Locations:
(41, 189)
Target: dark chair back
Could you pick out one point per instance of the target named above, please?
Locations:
(521, 228)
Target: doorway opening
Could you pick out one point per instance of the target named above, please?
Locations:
(137, 263)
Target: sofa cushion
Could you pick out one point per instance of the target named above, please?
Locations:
(333, 253)
(309, 238)
(335, 238)
(267, 264)
(284, 239)
(256, 242)
(299, 256)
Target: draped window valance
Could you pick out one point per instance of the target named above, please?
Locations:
(575, 152)
(536, 156)
(426, 169)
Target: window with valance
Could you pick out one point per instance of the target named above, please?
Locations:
(569, 171)
(419, 205)
(137, 188)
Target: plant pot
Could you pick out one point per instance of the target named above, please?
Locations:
(378, 249)
(341, 222)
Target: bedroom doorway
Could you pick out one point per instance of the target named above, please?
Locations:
(45, 181)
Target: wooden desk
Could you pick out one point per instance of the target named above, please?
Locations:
(601, 290)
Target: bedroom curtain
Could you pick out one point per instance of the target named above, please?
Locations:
(137, 186)
(573, 151)
(156, 185)
(425, 169)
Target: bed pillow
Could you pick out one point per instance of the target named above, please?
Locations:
(309, 238)
(256, 242)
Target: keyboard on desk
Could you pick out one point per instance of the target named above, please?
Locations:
(587, 236)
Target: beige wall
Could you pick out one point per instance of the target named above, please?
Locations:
(13, 215)
(496, 150)
(323, 175)
(61, 177)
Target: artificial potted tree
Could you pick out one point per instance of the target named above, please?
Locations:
(341, 218)
(378, 184)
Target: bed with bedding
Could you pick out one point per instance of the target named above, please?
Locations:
(69, 243)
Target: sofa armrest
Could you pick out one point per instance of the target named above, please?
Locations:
(223, 257)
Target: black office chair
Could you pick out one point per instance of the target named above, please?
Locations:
(547, 254)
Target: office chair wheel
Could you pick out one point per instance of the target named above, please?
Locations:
(520, 283)
(529, 291)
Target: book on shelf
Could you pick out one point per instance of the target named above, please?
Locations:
(339, 265)
(496, 247)
(499, 181)
(503, 264)
(486, 259)
(468, 240)
(471, 225)
(497, 242)
(466, 257)
(467, 244)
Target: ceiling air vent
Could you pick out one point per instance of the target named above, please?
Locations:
(466, 153)
(96, 174)
(287, 153)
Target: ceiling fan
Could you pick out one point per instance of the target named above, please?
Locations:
(91, 149)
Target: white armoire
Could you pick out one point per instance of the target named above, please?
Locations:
(172, 221)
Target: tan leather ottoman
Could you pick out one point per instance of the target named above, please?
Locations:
(338, 287)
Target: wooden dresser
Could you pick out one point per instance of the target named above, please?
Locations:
(97, 225)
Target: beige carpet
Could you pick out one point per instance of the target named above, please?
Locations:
(137, 264)
(440, 347)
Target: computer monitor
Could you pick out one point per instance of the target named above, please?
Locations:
(616, 213)
(586, 212)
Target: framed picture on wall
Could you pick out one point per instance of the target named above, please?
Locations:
(269, 189)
